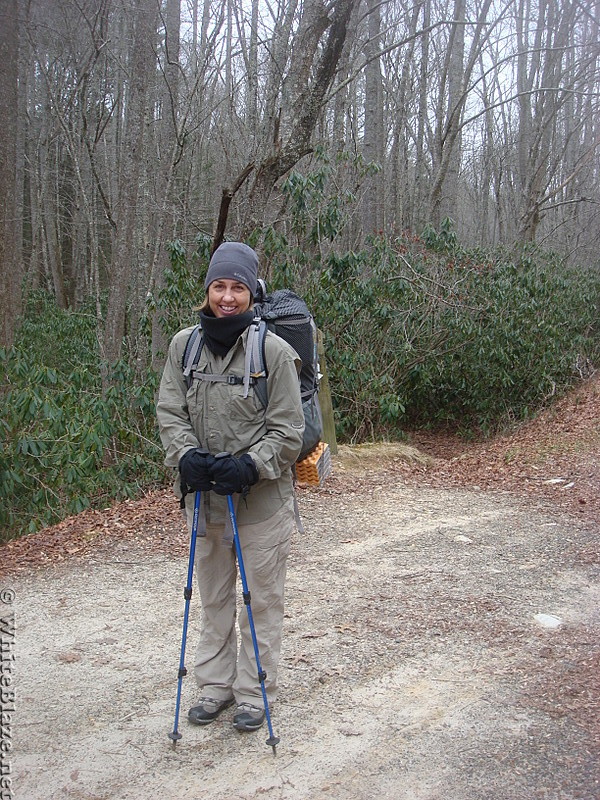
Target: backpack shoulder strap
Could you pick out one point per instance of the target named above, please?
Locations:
(255, 362)
(191, 354)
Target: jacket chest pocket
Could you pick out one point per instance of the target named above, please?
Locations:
(245, 409)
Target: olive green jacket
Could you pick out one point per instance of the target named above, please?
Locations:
(217, 417)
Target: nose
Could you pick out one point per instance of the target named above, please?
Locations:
(228, 294)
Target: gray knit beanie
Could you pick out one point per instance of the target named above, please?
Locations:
(234, 261)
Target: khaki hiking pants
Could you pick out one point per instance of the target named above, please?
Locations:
(220, 670)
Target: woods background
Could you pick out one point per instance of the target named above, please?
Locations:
(435, 162)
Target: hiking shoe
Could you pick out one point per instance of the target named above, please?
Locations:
(207, 710)
(248, 717)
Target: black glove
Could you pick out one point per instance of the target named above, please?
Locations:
(194, 469)
(231, 474)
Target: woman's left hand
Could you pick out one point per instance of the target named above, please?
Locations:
(231, 474)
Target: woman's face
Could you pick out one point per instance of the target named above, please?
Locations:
(227, 298)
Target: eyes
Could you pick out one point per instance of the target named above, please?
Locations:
(235, 288)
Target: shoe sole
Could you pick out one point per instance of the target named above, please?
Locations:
(196, 721)
(247, 726)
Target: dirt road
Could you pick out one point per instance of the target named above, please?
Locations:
(414, 667)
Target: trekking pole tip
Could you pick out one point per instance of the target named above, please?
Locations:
(273, 741)
(175, 736)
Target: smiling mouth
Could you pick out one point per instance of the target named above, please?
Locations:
(228, 309)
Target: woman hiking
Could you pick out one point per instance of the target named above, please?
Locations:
(219, 415)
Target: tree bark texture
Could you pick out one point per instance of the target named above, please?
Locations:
(10, 253)
(308, 102)
(124, 251)
(373, 137)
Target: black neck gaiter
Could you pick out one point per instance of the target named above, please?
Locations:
(221, 333)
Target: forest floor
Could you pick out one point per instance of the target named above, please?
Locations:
(441, 635)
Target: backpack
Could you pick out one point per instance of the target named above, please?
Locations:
(284, 313)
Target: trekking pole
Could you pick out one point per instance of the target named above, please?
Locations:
(187, 593)
(273, 740)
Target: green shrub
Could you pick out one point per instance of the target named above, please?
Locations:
(467, 340)
(420, 332)
(532, 334)
(66, 444)
(417, 332)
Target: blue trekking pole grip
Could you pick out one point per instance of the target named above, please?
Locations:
(175, 735)
(273, 740)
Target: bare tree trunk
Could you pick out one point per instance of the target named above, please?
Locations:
(204, 27)
(252, 97)
(308, 105)
(403, 186)
(373, 146)
(536, 125)
(445, 185)
(422, 172)
(449, 195)
(276, 94)
(123, 249)
(49, 211)
(229, 56)
(164, 227)
(10, 260)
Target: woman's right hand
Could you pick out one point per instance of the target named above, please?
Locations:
(194, 468)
